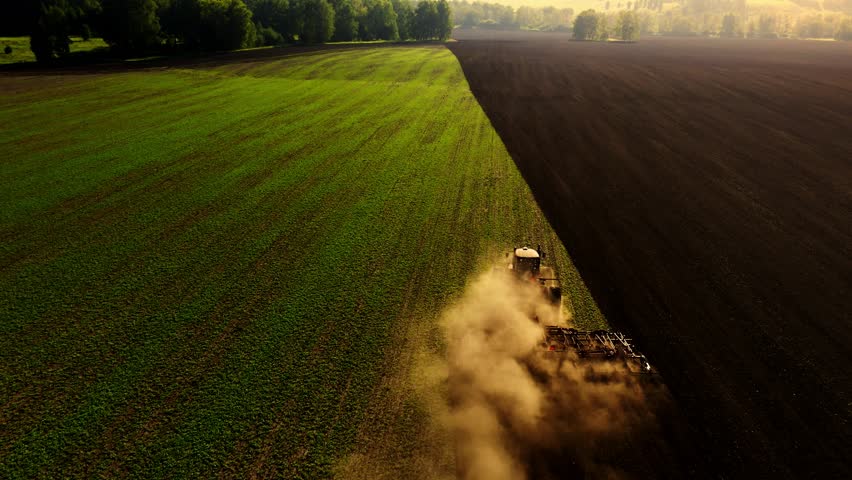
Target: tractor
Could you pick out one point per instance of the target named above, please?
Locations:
(586, 345)
(526, 264)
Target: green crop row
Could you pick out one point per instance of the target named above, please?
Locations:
(202, 269)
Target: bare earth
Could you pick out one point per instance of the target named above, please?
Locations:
(704, 189)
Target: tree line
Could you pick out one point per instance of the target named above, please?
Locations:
(588, 25)
(138, 26)
(493, 15)
(628, 19)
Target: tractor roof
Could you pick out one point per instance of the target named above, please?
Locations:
(526, 252)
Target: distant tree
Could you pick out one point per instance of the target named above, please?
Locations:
(345, 21)
(51, 22)
(470, 19)
(219, 24)
(529, 16)
(783, 25)
(813, 26)
(271, 13)
(85, 32)
(490, 15)
(844, 30)
(225, 25)
(729, 26)
(586, 25)
(51, 36)
(130, 25)
(426, 20)
(647, 23)
(267, 35)
(627, 26)
(380, 21)
(682, 25)
(505, 16)
(180, 22)
(317, 21)
(603, 27)
(767, 26)
(404, 18)
(629, 5)
(445, 20)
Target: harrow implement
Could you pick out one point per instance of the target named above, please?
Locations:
(600, 344)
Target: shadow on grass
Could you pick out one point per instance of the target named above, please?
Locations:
(102, 61)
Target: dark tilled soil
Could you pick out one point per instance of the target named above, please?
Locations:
(704, 188)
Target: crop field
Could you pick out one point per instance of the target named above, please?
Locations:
(219, 270)
(702, 187)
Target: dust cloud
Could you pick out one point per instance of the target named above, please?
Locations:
(516, 412)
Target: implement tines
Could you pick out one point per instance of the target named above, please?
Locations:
(596, 344)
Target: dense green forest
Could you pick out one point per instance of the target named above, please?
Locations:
(138, 26)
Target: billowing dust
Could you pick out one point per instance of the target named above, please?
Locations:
(516, 412)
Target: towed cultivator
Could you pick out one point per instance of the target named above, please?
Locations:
(599, 344)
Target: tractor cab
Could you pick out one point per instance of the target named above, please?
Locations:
(526, 261)
(526, 264)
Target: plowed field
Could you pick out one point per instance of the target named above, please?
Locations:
(704, 189)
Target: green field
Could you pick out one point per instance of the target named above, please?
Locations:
(222, 270)
(21, 48)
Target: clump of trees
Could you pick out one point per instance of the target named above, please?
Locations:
(380, 21)
(52, 22)
(592, 25)
(586, 25)
(484, 15)
(432, 20)
(129, 25)
(546, 18)
(627, 26)
(135, 26)
(314, 21)
(824, 26)
(503, 17)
